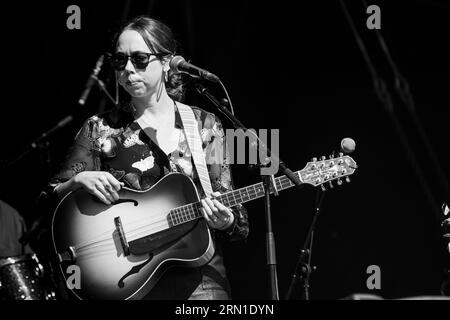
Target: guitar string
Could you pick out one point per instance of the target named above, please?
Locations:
(147, 221)
(132, 233)
(184, 212)
(154, 225)
(283, 183)
(129, 224)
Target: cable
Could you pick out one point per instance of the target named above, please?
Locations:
(228, 97)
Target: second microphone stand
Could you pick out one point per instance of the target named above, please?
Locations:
(303, 268)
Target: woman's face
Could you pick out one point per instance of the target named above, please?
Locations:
(138, 82)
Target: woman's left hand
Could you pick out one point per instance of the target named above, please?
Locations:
(216, 214)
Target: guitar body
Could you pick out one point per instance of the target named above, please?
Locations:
(108, 269)
(120, 251)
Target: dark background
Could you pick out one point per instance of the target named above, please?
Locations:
(287, 65)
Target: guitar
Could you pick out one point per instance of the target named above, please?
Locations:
(122, 249)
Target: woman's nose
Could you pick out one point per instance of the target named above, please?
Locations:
(129, 66)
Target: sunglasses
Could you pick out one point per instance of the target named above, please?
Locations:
(140, 60)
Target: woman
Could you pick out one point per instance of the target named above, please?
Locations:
(143, 140)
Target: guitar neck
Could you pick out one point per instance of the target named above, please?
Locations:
(252, 192)
(232, 198)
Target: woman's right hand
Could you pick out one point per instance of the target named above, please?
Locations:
(101, 184)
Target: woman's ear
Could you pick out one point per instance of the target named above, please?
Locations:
(166, 65)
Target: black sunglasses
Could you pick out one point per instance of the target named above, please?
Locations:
(140, 60)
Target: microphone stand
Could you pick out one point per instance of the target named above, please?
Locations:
(270, 239)
(268, 186)
(102, 87)
(303, 268)
(41, 143)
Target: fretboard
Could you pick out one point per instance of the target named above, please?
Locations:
(191, 211)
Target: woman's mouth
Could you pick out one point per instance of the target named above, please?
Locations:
(132, 83)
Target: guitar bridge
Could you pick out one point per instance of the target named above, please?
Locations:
(123, 240)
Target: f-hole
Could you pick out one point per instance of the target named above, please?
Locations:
(135, 202)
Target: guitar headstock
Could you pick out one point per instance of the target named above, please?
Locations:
(324, 171)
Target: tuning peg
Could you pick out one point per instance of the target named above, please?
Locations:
(314, 159)
(323, 158)
(330, 183)
(347, 179)
(341, 154)
(323, 187)
(339, 182)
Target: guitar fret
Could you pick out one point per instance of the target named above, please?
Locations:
(286, 182)
(227, 196)
(254, 190)
(244, 194)
(187, 214)
(171, 217)
(175, 216)
(184, 214)
(191, 213)
(198, 213)
(239, 195)
(259, 185)
(278, 184)
(223, 199)
(234, 199)
(249, 192)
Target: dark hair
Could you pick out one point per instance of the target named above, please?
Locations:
(160, 39)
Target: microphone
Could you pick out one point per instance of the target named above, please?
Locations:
(91, 81)
(178, 64)
(348, 145)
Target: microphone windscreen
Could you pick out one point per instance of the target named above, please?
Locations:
(175, 62)
(348, 145)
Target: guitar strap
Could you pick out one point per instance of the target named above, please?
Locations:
(194, 141)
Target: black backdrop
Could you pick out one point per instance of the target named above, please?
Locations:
(289, 66)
